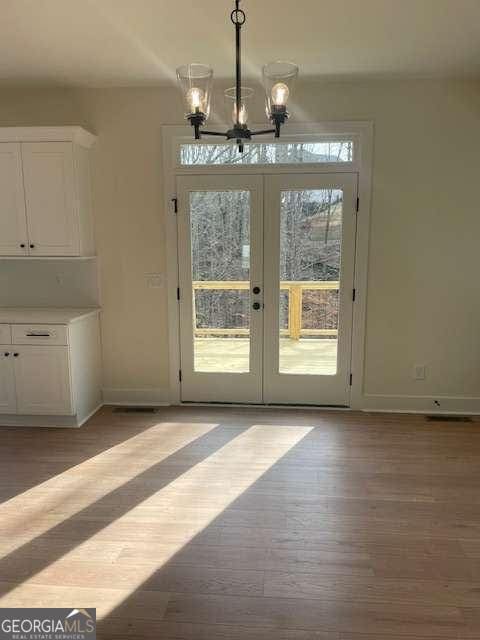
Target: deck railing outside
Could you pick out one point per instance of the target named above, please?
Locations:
(295, 291)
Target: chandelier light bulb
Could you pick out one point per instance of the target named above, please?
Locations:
(280, 93)
(242, 116)
(195, 98)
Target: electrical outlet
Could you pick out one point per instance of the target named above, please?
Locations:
(419, 372)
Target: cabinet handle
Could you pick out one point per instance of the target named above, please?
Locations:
(15, 355)
(22, 246)
(6, 354)
(256, 306)
(37, 334)
(32, 246)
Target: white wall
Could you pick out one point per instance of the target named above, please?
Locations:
(48, 283)
(423, 302)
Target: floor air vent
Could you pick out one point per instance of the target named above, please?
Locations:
(449, 419)
(135, 410)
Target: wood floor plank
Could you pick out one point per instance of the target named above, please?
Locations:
(147, 630)
(377, 590)
(318, 615)
(141, 604)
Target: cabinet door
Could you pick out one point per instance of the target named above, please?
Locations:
(8, 400)
(52, 219)
(42, 378)
(13, 227)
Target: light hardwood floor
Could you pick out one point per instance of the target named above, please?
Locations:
(247, 524)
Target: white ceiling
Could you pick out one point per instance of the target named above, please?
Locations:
(140, 42)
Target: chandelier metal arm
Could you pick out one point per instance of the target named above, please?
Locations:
(214, 133)
(263, 132)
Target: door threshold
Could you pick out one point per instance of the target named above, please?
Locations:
(243, 405)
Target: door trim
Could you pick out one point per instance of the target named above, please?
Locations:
(363, 132)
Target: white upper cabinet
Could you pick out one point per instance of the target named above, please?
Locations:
(13, 223)
(45, 199)
(50, 199)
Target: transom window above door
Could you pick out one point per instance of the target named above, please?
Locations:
(268, 153)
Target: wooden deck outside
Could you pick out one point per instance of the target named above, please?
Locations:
(311, 356)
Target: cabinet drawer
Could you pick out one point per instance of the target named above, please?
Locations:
(5, 334)
(52, 334)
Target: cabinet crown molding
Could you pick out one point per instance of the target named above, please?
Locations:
(75, 134)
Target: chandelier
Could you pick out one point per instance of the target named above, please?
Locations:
(196, 81)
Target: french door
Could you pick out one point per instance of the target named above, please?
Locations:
(266, 271)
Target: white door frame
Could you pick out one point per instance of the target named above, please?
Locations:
(362, 134)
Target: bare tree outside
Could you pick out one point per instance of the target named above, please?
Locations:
(267, 153)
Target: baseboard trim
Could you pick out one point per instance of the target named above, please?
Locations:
(155, 396)
(44, 421)
(92, 413)
(455, 405)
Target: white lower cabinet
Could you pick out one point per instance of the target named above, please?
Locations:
(42, 380)
(8, 398)
(43, 383)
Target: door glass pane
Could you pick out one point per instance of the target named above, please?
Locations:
(310, 252)
(220, 238)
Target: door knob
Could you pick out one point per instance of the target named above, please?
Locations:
(256, 290)
(256, 306)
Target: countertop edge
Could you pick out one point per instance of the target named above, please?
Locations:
(83, 312)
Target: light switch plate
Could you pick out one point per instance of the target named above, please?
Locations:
(154, 280)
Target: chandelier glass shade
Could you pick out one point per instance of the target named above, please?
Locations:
(246, 95)
(278, 80)
(196, 80)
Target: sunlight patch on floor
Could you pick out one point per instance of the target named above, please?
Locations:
(166, 518)
(32, 512)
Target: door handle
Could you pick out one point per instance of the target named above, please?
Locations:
(256, 306)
